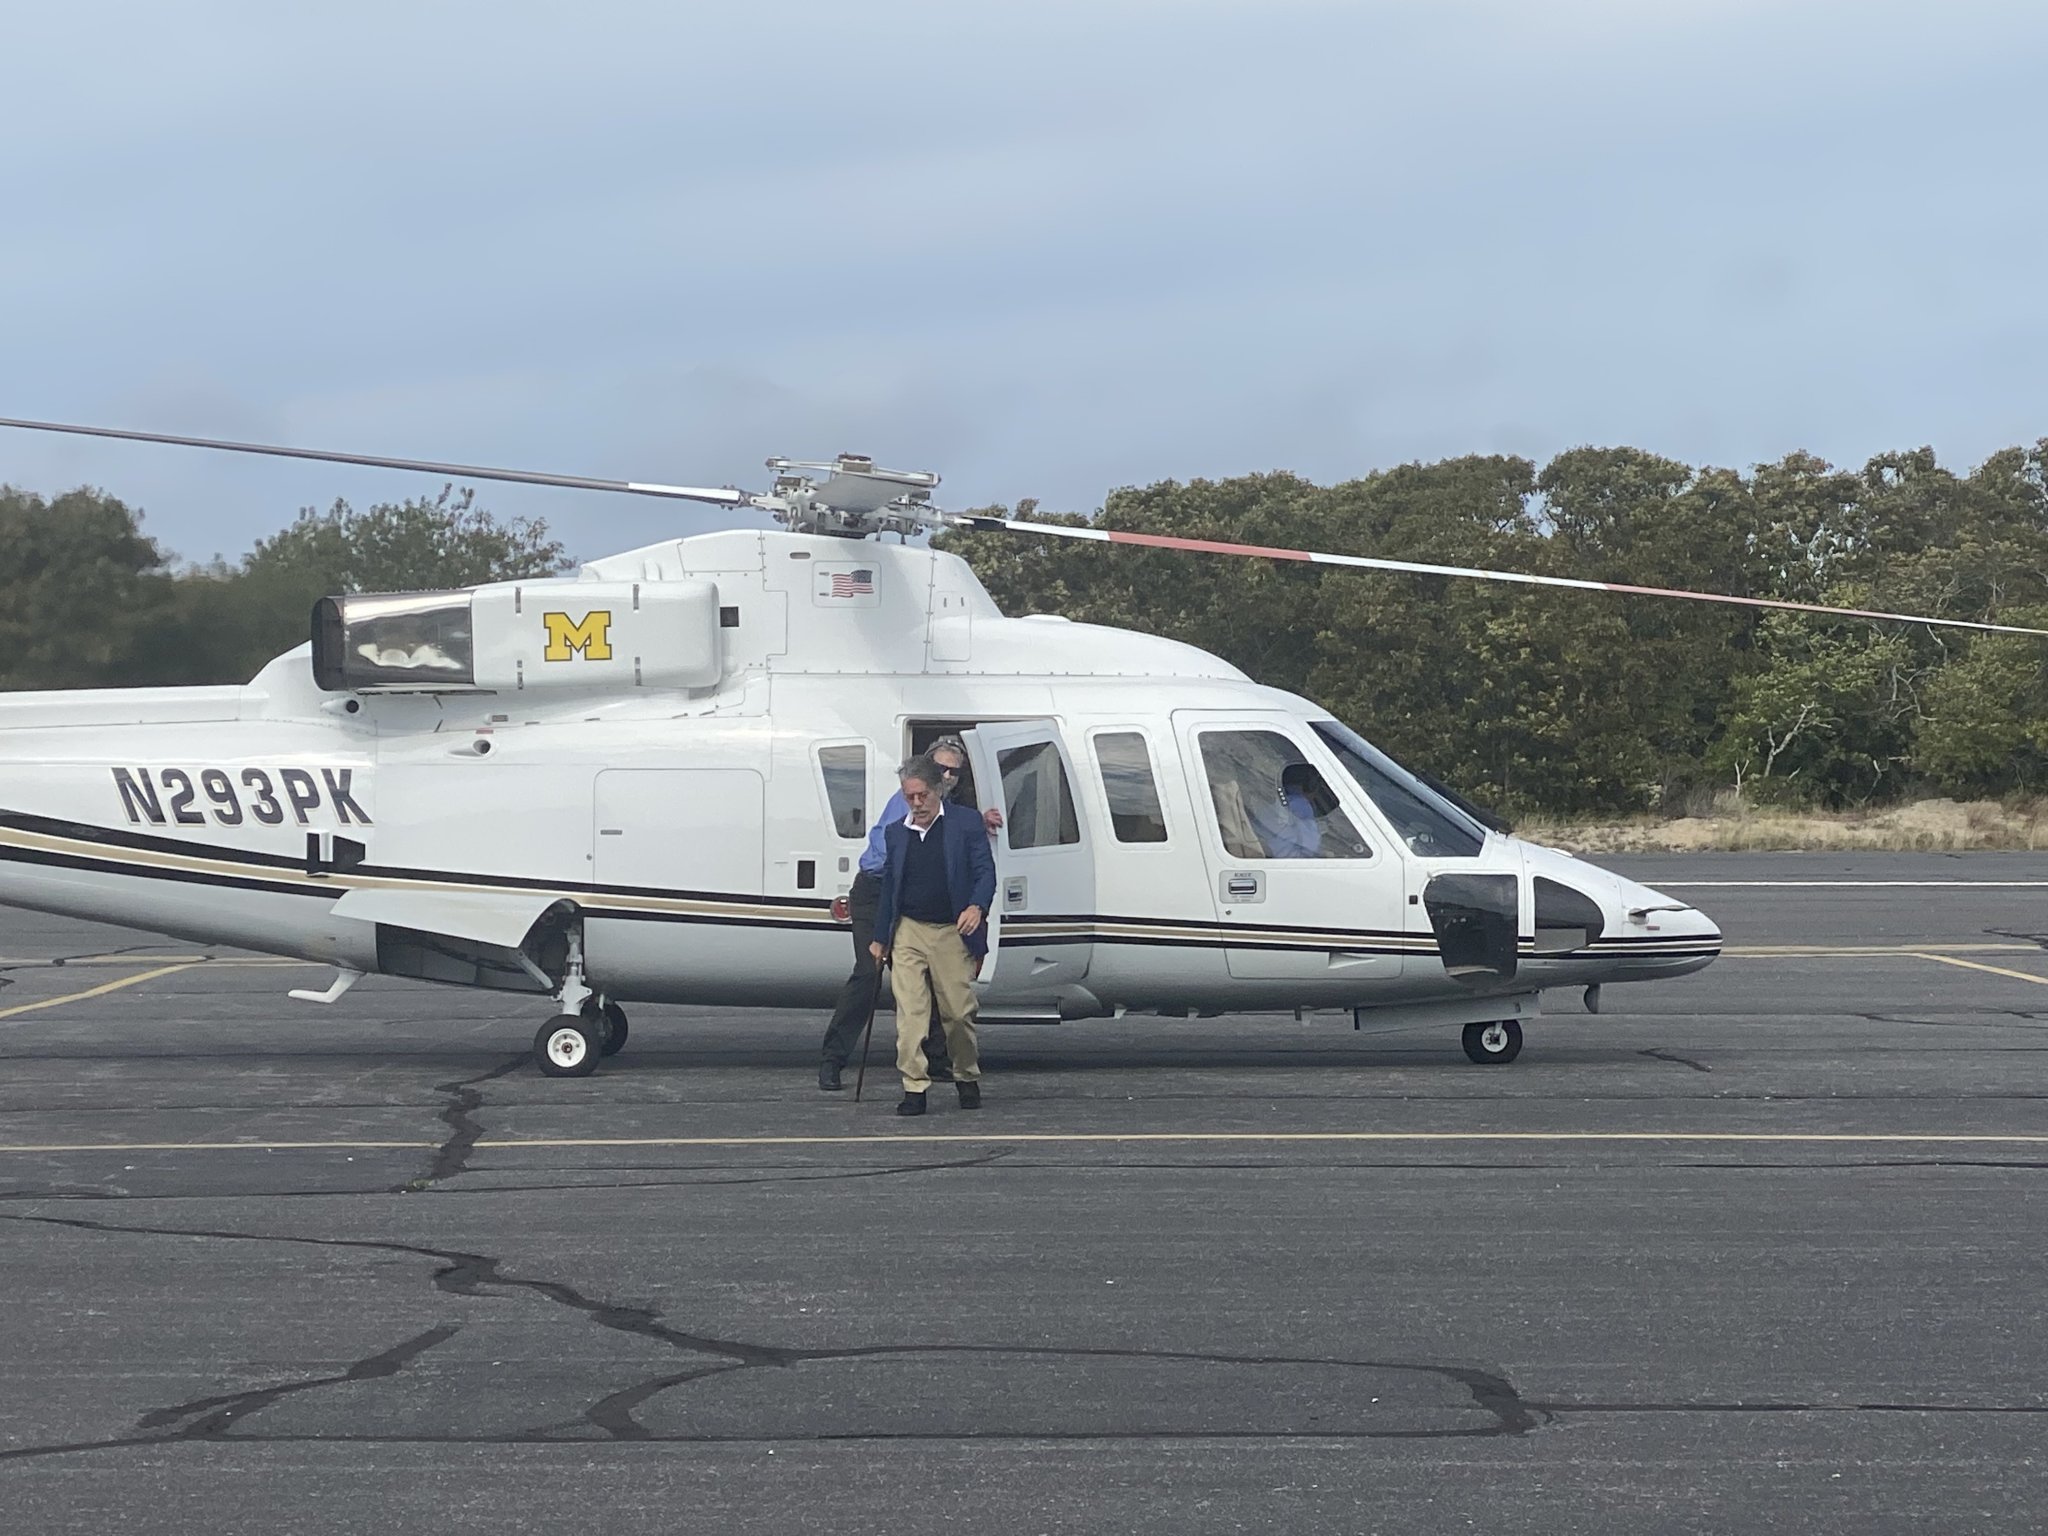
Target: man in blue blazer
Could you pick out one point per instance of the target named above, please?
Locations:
(938, 882)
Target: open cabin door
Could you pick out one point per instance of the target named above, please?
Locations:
(1040, 933)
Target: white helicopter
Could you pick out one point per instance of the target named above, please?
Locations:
(649, 781)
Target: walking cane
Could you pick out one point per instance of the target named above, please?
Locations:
(868, 1039)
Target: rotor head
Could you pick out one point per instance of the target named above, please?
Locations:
(854, 499)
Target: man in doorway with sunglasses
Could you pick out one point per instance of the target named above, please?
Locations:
(949, 755)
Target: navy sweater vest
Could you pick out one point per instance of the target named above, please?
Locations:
(925, 896)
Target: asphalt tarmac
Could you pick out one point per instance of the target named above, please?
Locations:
(1755, 1250)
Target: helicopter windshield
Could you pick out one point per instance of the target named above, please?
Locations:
(1427, 822)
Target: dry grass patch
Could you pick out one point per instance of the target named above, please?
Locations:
(1925, 826)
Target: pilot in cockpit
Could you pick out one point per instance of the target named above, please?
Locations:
(1291, 827)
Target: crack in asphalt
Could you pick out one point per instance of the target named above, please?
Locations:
(1018, 1162)
(472, 1274)
(462, 1274)
(57, 962)
(1974, 1021)
(2040, 939)
(981, 1160)
(615, 1415)
(465, 1097)
(1660, 1054)
(214, 1415)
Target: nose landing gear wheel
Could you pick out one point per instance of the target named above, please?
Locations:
(614, 1019)
(1493, 1045)
(568, 1046)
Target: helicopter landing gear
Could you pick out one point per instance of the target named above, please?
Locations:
(568, 1045)
(1493, 1045)
(609, 1019)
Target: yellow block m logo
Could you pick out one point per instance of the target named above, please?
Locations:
(591, 635)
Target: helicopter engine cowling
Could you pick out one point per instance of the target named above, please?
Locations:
(514, 636)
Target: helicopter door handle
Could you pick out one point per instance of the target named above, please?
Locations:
(1016, 893)
(1240, 885)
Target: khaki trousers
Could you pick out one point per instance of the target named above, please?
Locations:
(927, 961)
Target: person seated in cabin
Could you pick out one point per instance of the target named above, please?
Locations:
(1292, 827)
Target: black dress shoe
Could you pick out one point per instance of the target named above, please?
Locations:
(913, 1104)
(941, 1073)
(970, 1094)
(828, 1077)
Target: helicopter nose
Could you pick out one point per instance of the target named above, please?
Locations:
(1663, 931)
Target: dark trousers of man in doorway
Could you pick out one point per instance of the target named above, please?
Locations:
(842, 1035)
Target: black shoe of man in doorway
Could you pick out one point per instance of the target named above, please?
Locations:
(913, 1104)
(828, 1077)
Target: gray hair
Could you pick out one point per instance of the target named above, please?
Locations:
(948, 744)
(920, 767)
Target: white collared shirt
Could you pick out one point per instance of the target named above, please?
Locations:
(921, 831)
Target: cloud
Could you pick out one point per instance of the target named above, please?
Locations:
(1046, 250)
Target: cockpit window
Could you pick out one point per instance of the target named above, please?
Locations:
(1270, 801)
(1427, 822)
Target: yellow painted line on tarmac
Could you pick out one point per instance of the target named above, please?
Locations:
(99, 991)
(1905, 951)
(1995, 970)
(1056, 1138)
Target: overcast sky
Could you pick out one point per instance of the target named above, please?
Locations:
(1046, 249)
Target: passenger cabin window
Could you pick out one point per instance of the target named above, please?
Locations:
(1271, 802)
(1038, 806)
(1428, 823)
(1128, 786)
(846, 788)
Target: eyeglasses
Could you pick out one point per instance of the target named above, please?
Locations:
(948, 773)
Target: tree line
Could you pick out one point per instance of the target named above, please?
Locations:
(88, 600)
(1543, 701)
(1533, 700)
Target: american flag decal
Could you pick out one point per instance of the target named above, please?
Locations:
(853, 583)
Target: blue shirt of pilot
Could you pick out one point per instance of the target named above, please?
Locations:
(1290, 830)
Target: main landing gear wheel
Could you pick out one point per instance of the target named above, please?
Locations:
(568, 1046)
(614, 1018)
(1493, 1045)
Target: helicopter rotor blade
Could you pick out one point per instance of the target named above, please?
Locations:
(1419, 568)
(721, 496)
